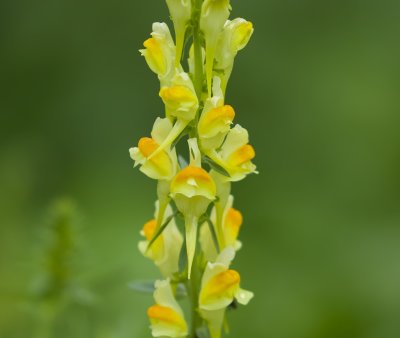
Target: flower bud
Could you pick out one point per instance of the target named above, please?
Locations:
(214, 14)
(234, 37)
(181, 11)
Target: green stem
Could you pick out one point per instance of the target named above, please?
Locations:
(194, 286)
(198, 57)
(220, 232)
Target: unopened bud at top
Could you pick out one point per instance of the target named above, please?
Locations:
(214, 14)
(235, 36)
(181, 11)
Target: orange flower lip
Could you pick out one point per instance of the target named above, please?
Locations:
(160, 162)
(226, 279)
(165, 314)
(176, 94)
(216, 115)
(149, 229)
(244, 32)
(150, 43)
(155, 53)
(242, 155)
(223, 284)
(193, 172)
(196, 179)
(147, 146)
(234, 218)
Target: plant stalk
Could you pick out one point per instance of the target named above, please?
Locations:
(193, 284)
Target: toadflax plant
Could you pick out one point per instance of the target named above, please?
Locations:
(195, 192)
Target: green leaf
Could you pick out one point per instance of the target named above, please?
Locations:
(182, 161)
(192, 153)
(213, 234)
(215, 166)
(203, 332)
(147, 286)
(180, 291)
(183, 257)
(142, 286)
(160, 231)
(176, 141)
(234, 305)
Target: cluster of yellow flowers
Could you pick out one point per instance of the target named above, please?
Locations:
(198, 190)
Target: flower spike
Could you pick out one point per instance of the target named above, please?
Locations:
(196, 187)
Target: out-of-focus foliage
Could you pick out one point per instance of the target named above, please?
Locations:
(319, 90)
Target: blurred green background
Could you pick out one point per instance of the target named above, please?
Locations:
(318, 89)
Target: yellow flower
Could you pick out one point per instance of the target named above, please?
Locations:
(234, 37)
(215, 120)
(219, 287)
(181, 104)
(180, 97)
(159, 51)
(232, 220)
(192, 190)
(214, 14)
(166, 316)
(181, 11)
(235, 154)
(166, 248)
(163, 165)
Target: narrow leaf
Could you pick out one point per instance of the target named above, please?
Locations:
(176, 141)
(147, 286)
(182, 161)
(213, 234)
(160, 231)
(183, 257)
(180, 291)
(215, 166)
(142, 286)
(202, 332)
